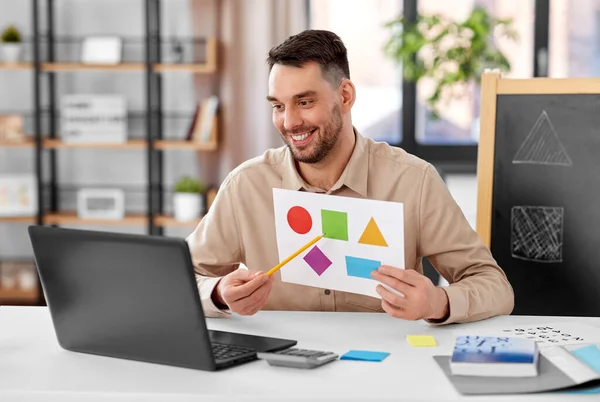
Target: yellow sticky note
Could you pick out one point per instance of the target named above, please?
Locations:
(421, 340)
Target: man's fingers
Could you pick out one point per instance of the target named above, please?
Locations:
(257, 305)
(397, 312)
(243, 306)
(409, 276)
(392, 310)
(252, 304)
(262, 292)
(235, 293)
(257, 298)
(393, 282)
(260, 296)
(392, 298)
(245, 275)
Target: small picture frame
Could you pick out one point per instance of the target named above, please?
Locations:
(11, 128)
(101, 203)
(102, 50)
(18, 195)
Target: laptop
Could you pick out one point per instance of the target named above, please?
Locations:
(133, 297)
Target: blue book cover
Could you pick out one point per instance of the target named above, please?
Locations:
(491, 349)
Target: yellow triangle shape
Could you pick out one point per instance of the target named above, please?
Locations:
(372, 235)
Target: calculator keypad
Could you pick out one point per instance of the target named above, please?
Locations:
(303, 353)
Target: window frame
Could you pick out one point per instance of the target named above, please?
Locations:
(458, 158)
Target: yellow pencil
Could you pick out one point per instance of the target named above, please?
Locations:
(291, 257)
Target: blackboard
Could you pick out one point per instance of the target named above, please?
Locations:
(542, 218)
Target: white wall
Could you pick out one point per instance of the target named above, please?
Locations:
(463, 188)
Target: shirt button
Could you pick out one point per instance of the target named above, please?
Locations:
(327, 292)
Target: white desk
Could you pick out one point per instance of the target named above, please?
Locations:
(33, 367)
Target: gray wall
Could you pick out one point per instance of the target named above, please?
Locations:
(104, 168)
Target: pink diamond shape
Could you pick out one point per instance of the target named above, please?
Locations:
(317, 260)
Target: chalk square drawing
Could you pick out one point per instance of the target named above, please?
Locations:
(537, 233)
(542, 145)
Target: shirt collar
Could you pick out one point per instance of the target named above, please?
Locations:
(354, 175)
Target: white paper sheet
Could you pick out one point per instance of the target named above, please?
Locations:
(545, 335)
(346, 255)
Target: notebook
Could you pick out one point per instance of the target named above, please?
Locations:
(492, 356)
(561, 368)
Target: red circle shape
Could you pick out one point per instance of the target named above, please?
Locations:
(299, 220)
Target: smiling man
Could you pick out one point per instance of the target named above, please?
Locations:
(312, 97)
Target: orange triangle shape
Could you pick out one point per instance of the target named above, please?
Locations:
(372, 235)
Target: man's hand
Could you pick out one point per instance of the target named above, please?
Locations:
(422, 300)
(243, 291)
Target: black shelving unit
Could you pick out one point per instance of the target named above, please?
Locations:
(47, 61)
(153, 103)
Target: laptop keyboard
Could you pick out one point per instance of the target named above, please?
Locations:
(223, 351)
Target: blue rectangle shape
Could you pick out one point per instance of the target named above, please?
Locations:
(361, 267)
(590, 355)
(364, 355)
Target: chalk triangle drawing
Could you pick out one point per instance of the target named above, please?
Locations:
(542, 145)
(372, 235)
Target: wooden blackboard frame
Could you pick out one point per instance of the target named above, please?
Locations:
(492, 85)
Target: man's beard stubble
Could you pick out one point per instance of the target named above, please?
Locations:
(326, 140)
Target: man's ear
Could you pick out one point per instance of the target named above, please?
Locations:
(347, 95)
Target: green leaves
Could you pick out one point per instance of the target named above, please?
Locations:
(11, 35)
(452, 54)
(188, 185)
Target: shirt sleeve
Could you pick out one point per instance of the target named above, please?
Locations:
(216, 247)
(478, 287)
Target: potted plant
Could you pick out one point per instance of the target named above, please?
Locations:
(452, 54)
(188, 199)
(11, 44)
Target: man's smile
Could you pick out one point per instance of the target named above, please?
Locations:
(301, 139)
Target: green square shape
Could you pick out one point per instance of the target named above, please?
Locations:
(334, 224)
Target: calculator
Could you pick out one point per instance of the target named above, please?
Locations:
(298, 358)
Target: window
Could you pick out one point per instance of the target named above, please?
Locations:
(360, 24)
(384, 99)
(458, 123)
(574, 39)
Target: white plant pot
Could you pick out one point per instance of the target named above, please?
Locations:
(187, 206)
(11, 52)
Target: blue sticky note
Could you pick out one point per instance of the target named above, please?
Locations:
(364, 355)
(590, 355)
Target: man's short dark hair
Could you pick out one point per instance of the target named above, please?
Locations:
(313, 45)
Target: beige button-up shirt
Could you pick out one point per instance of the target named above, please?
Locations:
(240, 229)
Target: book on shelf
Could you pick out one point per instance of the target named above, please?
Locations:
(494, 356)
(201, 127)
